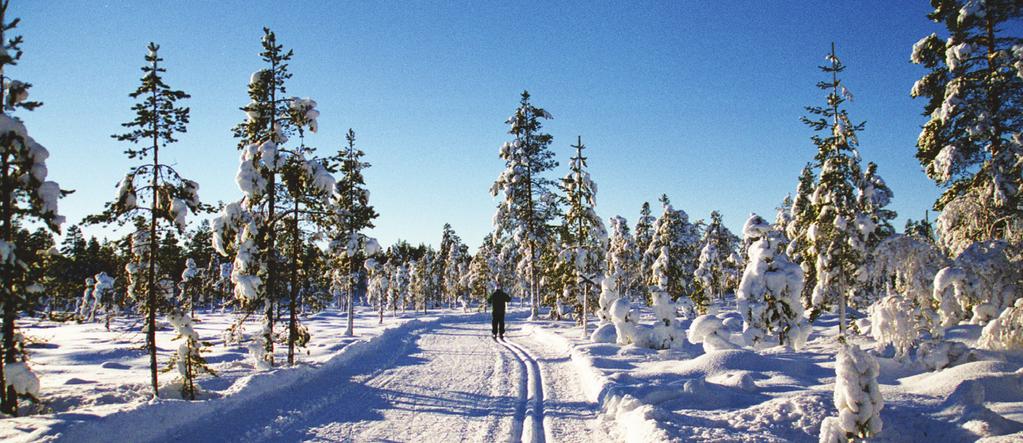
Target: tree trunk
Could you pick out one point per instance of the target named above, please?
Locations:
(293, 296)
(151, 278)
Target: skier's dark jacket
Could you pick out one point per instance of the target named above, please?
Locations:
(498, 300)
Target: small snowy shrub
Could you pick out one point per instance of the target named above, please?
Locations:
(950, 294)
(188, 361)
(626, 327)
(935, 355)
(1005, 333)
(666, 331)
(857, 398)
(768, 295)
(711, 331)
(895, 321)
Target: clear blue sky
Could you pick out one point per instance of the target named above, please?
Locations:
(699, 100)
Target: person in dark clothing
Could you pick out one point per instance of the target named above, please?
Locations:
(498, 300)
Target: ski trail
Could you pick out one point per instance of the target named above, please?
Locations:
(440, 382)
(568, 414)
(532, 391)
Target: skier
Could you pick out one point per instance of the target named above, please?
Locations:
(498, 300)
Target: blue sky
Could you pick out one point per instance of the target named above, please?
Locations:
(699, 100)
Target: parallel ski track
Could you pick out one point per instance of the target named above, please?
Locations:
(530, 395)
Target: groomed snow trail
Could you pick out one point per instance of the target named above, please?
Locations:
(444, 381)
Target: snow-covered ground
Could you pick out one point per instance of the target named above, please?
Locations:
(441, 377)
(779, 395)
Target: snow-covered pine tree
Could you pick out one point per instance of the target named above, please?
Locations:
(449, 240)
(153, 189)
(874, 224)
(673, 230)
(857, 398)
(972, 142)
(308, 185)
(352, 214)
(248, 228)
(587, 238)
(376, 287)
(188, 359)
(523, 211)
(714, 269)
(666, 332)
(922, 229)
(768, 295)
(644, 234)
(800, 247)
(837, 241)
(623, 263)
(189, 286)
(482, 276)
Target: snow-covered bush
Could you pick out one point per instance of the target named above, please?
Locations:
(939, 354)
(87, 303)
(19, 376)
(608, 295)
(896, 321)
(188, 361)
(857, 398)
(907, 265)
(711, 331)
(950, 294)
(626, 327)
(666, 333)
(1006, 331)
(768, 295)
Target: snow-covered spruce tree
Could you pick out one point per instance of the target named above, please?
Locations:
(971, 144)
(482, 277)
(25, 196)
(666, 333)
(714, 269)
(857, 398)
(188, 359)
(673, 230)
(450, 243)
(153, 190)
(800, 247)
(189, 286)
(837, 242)
(248, 228)
(352, 214)
(522, 212)
(586, 241)
(874, 224)
(644, 234)
(308, 185)
(103, 297)
(768, 295)
(376, 287)
(623, 266)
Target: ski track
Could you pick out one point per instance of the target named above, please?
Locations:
(530, 394)
(444, 381)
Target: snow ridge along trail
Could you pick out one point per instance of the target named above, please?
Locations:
(531, 393)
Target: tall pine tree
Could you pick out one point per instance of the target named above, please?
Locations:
(153, 190)
(525, 207)
(971, 144)
(587, 238)
(25, 195)
(352, 215)
(837, 244)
